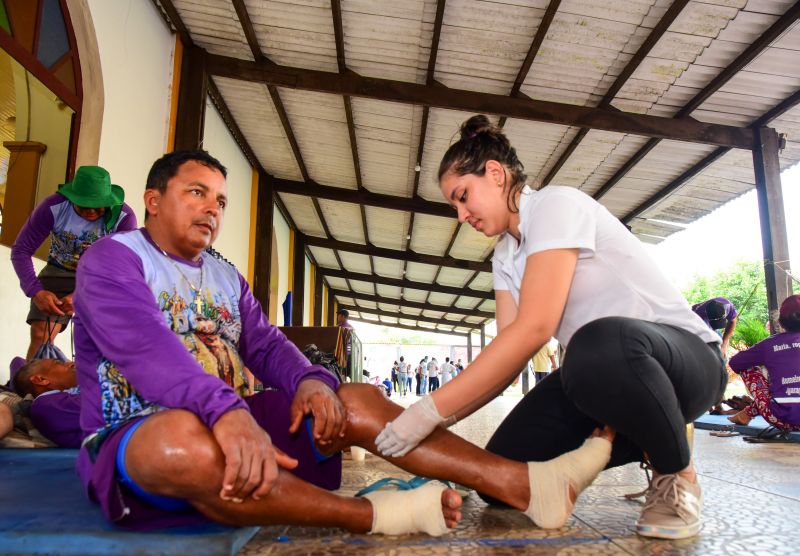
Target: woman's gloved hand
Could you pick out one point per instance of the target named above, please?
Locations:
(410, 428)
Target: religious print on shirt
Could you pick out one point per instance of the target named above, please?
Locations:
(208, 323)
(72, 235)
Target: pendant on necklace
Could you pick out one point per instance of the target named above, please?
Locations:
(198, 304)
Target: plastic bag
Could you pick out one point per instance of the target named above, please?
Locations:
(48, 349)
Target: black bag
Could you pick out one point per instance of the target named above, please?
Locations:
(327, 360)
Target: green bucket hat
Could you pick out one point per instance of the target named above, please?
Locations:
(92, 188)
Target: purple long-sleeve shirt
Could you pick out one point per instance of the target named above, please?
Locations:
(730, 309)
(780, 354)
(72, 235)
(147, 340)
(56, 414)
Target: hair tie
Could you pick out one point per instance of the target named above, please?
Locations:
(473, 135)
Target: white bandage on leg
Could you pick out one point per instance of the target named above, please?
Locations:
(399, 512)
(550, 506)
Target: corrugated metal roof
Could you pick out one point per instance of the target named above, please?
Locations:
(482, 45)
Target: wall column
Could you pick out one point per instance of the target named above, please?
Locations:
(316, 318)
(263, 247)
(469, 347)
(298, 282)
(331, 311)
(191, 99)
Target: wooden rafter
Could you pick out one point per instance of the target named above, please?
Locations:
(413, 304)
(446, 253)
(658, 31)
(341, 61)
(247, 27)
(458, 99)
(776, 112)
(536, 44)
(407, 255)
(429, 79)
(405, 326)
(748, 55)
(364, 197)
(405, 316)
(407, 284)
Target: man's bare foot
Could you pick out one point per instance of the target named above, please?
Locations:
(741, 418)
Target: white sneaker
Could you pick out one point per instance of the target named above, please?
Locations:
(671, 509)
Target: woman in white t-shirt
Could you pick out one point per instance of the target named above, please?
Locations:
(638, 359)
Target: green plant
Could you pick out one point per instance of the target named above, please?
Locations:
(748, 332)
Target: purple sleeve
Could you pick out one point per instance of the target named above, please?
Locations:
(31, 236)
(129, 222)
(57, 417)
(120, 315)
(269, 354)
(751, 357)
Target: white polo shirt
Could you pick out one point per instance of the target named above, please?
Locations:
(614, 276)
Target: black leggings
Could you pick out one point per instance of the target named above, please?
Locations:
(645, 380)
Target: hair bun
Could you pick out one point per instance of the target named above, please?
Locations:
(476, 125)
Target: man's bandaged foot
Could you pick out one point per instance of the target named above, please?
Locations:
(550, 506)
(399, 512)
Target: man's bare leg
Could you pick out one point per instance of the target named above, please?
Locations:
(174, 454)
(162, 460)
(39, 335)
(443, 455)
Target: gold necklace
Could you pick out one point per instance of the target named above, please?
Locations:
(198, 298)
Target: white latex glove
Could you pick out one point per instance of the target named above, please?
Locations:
(410, 428)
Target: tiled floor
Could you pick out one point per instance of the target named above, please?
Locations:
(752, 506)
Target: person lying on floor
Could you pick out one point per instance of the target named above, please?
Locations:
(638, 359)
(55, 410)
(170, 441)
(771, 372)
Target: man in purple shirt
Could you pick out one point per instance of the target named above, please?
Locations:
(82, 211)
(163, 331)
(718, 313)
(771, 371)
(55, 411)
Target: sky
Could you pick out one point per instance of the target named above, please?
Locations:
(709, 245)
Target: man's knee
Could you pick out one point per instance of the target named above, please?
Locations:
(172, 447)
(356, 398)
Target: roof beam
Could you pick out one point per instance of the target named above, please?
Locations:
(408, 284)
(413, 304)
(777, 111)
(247, 28)
(407, 255)
(336, 11)
(434, 321)
(429, 79)
(457, 99)
(750, 53)
(658, 31)
(536, 44)
(406, 327)
(446, 252)
(675, 184)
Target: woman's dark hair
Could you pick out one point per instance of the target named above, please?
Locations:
(790, 322)
(480, 142)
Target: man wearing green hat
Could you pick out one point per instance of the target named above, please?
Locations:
(82, 211)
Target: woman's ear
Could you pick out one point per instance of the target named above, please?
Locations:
(495, 172)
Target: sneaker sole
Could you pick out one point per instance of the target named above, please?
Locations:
(668, 532)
